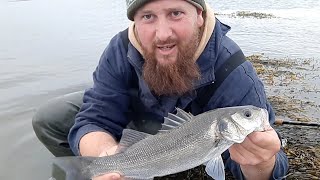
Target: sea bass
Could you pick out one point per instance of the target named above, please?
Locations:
(184, 142)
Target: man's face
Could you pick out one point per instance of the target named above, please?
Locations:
(169, 33)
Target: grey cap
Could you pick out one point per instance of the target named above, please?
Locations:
(134, 5)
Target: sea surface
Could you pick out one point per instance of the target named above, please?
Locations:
(49, 48)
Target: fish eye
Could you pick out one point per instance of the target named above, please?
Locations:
(247, 113)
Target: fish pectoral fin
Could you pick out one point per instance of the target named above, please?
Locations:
(215, 168)
(130, 137)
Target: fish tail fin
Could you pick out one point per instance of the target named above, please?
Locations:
(215, 168)
(71, 168)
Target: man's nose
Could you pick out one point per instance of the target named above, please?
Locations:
(163, 30)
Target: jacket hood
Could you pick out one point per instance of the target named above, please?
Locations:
(209, 24)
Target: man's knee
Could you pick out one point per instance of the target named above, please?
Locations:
(56, 116)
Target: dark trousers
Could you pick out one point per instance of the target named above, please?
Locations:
(53, 120)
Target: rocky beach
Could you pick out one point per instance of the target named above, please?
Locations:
(293, 90)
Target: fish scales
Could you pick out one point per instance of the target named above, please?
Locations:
(200, 139)
(167, 157)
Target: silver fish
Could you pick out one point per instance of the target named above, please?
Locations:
(184, 142)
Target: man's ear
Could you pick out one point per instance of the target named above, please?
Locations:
(200, 19)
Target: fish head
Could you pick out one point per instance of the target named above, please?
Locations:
(241, 121)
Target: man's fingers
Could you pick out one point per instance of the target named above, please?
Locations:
(249, 145)
(110, 176)
(268, 140)
(235, 154)
(256, 148)
(241, 155)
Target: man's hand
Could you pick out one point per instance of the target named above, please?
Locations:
(109, 176)
(256, 154)
(99, 144)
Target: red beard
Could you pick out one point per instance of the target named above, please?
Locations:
(176, 78)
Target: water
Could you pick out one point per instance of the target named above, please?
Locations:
(293, 33)
(49, 48)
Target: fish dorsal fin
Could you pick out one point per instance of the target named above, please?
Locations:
(175, 120)
(166, 127)
(130, 137)
(215, 168)
(184, 115)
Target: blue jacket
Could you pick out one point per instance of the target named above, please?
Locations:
(107, 105)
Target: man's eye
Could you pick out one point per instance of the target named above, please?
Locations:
(176, 13)
(147, 17)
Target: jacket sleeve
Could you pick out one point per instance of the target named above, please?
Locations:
(105, 104)
(243, 87)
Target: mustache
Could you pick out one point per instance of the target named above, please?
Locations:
(158, 42)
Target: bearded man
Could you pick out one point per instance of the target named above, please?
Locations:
(175, 47)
